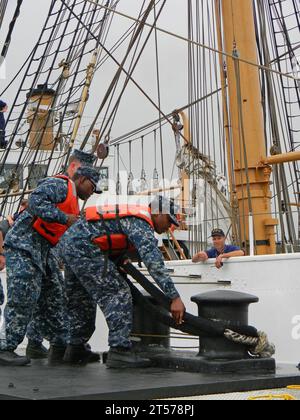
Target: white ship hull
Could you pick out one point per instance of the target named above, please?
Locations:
(274, 279)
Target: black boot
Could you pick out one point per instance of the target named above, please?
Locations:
(80, 354)
(36, 351)
(121, 358)
(9, 358)
(56, 354)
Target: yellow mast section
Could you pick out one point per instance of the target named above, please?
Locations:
(247, 126)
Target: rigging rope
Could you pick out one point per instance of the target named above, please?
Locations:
(215, 50)
(42, 61)
(11, 29)
(3, 6)
(117, 76)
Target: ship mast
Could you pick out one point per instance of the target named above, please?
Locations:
(251, 171)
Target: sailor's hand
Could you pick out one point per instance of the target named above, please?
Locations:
(72, 219)
(219, 262)
(2, 262)
(10, 220)
(201, 257)
(125, 262)
(178, 310)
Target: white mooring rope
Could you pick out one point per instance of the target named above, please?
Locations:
(258, 346)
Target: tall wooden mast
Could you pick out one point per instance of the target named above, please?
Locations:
(252, 177)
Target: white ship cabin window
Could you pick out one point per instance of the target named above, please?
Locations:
(11, 179)
(35, 174)
(104, 178)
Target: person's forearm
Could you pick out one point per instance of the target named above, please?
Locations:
(159, 273)
(200, 257)
(234, 254)
(48, 212)
(43, 202)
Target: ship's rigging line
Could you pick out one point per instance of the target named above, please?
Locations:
(132, 67)
(11, 29)
(125, 140)
(62, 81)
(56, 25)
(14, 104)
(40, 161)
(214, 50)
(10, 145)
(48, 47)
(159, 96)
(115, 47)
(287, 102)
(280, 185)
(71, 145)
(3, 7)
(111, 88)
(111, 119)
(81, 84)
(121, 69)
(266, 82)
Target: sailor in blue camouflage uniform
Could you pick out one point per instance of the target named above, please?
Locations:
(34, 280)
(1, 298)
(96, 279)
(35, 348)
(5, 226)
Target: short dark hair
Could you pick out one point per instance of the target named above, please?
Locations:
(24, 202)
(73, 159)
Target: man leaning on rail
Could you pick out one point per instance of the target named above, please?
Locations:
(220, 251)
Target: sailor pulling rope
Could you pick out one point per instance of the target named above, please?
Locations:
(257, 342)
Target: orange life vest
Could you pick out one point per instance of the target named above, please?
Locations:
(117, 242)
(54, 231)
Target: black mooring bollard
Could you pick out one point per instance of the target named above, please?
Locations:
(232, 308)
(150, 334)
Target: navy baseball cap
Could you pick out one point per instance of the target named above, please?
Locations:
(86, 159)
(164, 205)
(218, 232)
(92, 174)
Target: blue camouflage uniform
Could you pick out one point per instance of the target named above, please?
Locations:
(34, 281)
(33, 331)
(1, 296)
(4, 228)
(93, 279)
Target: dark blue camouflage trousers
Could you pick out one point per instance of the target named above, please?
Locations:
(33, 330)
(33, 295)
(92, 281)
